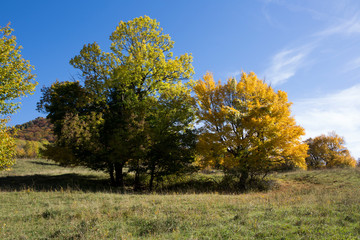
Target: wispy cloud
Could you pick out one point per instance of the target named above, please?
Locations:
(352, 65)
(271, 21)
(285, 64)
(339, 111)
(346, 26)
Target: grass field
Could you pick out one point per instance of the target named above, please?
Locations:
(40, 200)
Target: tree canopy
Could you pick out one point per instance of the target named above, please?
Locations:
(16, 80)
(131, 98)
(326, 151)
(246, 128)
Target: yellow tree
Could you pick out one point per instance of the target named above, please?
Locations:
(246, 129)
(328, 151)
(16, 81)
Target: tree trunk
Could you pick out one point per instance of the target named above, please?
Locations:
(119, 176)
(152, 176)
(243, 179)
(137, 180)
(111, 173)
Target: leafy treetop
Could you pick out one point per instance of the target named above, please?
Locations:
(326, 151)
(16, 79)
(247, 127)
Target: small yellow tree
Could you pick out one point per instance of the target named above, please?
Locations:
(247, 129)
(328, 151)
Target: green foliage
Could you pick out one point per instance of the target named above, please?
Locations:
(60, 99)
(172, 140)
(128, 94)
(328, 151)
(16, 81)
(79, 143)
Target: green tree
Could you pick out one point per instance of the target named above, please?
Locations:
(120, 89)
(328, 151)
(172, 140)
(16, 81)
(61, 99)
(246, 129)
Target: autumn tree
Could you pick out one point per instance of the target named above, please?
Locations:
(16, 80)
(246, 127)
(328, 151)
(120, 96)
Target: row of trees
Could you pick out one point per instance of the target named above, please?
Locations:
(134, 112)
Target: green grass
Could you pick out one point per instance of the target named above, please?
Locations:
(42, 175)
(38, 201)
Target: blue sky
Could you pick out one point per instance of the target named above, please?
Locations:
(308, 48)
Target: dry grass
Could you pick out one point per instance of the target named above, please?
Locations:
(304, 205)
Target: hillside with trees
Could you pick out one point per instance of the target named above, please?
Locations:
(39, 129)
(31, 137)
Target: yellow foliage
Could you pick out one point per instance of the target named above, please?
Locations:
(7, 146)
(328, 151)
(246, 125)
(15, 73)
(16, 80)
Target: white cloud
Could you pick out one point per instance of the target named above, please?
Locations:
(285, 64)
(339, 112)
(348, 26)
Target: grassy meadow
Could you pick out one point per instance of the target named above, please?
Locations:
(40, 200)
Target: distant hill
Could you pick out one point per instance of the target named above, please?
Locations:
(38, 129)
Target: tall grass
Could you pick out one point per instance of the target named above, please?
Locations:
(305, 205)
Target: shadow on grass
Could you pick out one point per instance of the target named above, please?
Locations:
(198, 186)
(195, 182)
(44, 163)
(92, 183)
(72, 181)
